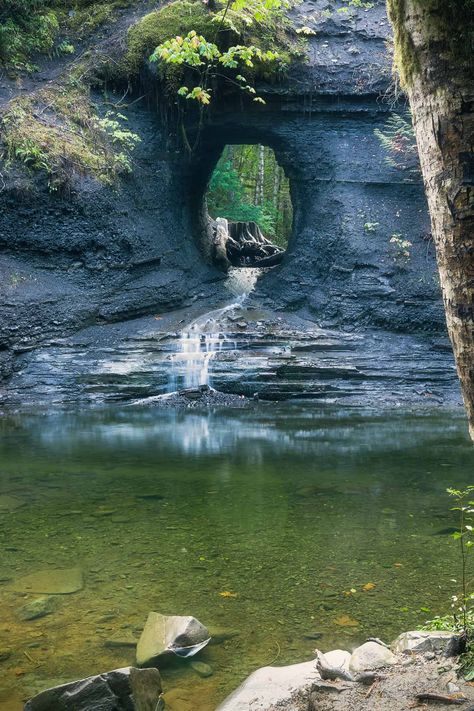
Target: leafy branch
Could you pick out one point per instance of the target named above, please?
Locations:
(203, 61)
(465, 508)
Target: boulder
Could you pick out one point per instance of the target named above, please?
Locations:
(164, 635)
(126, 689)
(271, 687)
(5, 653)
(338, 658)
(371, 656)
(420, 641)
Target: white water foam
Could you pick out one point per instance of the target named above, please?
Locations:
(203, 338)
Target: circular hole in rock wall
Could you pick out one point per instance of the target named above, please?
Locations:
(249, 208)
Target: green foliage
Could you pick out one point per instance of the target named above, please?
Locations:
(400, 247)
(26, 27)
(204, 58)
(371, 226)
(233, 187)
(461, 619)
(398, 140)
(445, 623)
(194, 51)
(462, 604)
(58, 132)
(86, 16)
(176, 19)
(29, 27)
(361, 4)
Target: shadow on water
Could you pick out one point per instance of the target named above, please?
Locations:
(291, 510)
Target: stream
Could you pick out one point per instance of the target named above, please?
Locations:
(265, 523)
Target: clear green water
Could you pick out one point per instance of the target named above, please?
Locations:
(287, 508)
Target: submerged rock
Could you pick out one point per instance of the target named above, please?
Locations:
(202, 669)
(126, 689)
(194, 397)
(219, 635)
(121, 641)
(40, 607)
(10, 503)
(51, 582)
(269, 687)
(164, 635)
(5, 654)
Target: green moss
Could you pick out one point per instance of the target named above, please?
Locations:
(87, 17)
(449, 25)
(177, 18)
(59, 133)
(405, 58)
(26, 28)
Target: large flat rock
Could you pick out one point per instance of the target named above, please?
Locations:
(51, 582)
(273, 687)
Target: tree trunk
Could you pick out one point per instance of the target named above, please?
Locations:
(260, 176)
(276, 186)
(433, 50)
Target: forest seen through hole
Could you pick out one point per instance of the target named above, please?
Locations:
(249, 185)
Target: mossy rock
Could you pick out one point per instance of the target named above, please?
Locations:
(178, 18)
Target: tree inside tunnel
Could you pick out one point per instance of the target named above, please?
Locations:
(250, 190)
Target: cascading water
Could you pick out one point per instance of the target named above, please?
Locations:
(203, 338)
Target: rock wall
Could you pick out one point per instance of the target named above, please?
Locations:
(104, 254)
(341, 264)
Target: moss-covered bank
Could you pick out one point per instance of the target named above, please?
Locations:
(59, 132)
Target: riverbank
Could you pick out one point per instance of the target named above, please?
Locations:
(417, 670)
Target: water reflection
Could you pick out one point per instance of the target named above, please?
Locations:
(269, 428)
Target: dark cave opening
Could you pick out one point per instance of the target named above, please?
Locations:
(249, 208)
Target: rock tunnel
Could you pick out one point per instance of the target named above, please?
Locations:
(351, 212)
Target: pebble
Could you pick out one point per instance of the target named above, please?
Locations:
(202, 669)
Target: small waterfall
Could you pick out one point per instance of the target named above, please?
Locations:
(203, 338)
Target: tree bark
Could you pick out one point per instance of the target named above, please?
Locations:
(276, 186)
(260, 176)
(433, 50)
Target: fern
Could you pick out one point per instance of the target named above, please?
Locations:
(397, 138)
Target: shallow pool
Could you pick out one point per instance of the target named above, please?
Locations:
(292, 527)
